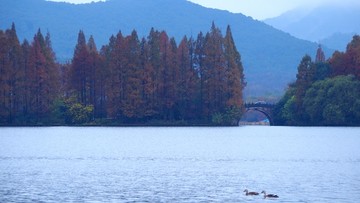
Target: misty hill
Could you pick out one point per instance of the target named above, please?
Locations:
(338, 41)
(331, 25)
(270, 56)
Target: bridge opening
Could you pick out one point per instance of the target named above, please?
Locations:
(258, 113)
(254, 117)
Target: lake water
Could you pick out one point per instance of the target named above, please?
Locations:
(189, 164)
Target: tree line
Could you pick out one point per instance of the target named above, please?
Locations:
(128, 81)
(326, 92)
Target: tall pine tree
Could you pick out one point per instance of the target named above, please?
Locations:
(234, 72)
(43, 77)
(79, 74)
(213, 73)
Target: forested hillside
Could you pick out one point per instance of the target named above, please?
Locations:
(268, 54)
(131, 80)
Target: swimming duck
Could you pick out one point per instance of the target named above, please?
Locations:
(269, 195)
(250, 193)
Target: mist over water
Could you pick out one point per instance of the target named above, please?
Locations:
(64, 164)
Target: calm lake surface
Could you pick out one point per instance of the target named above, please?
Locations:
(190, 164)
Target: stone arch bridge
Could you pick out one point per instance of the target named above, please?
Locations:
(262, 107)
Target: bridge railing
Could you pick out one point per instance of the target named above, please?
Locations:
(257, 104)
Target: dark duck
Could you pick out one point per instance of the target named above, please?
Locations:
(269, 195)
(250, 193)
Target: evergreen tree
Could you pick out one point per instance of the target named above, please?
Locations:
(198, 65)
(106, 79)
(338, 64)
(166, 76)
(79, 72)
(155, 64)
(5, 77)
(11, 75)
(131, 106)
(102, 75)
(26, 81)
(320, 56)
(43, 78)
(234, 70)
(148, 81)
(92, 66)
(214, 76)
(83, 81)
(116, 70)
(348, 62)
(52, 68)
(186, 81)
(304, 78)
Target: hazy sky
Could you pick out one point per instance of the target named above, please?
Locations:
(258, 9)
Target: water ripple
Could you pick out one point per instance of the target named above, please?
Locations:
(123, 166)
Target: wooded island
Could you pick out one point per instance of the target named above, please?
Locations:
(129, 81)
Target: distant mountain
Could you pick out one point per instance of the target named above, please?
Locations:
(338, 41)
(330, 24)
(270, 56)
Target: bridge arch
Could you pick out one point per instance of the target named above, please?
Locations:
(262, 107)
